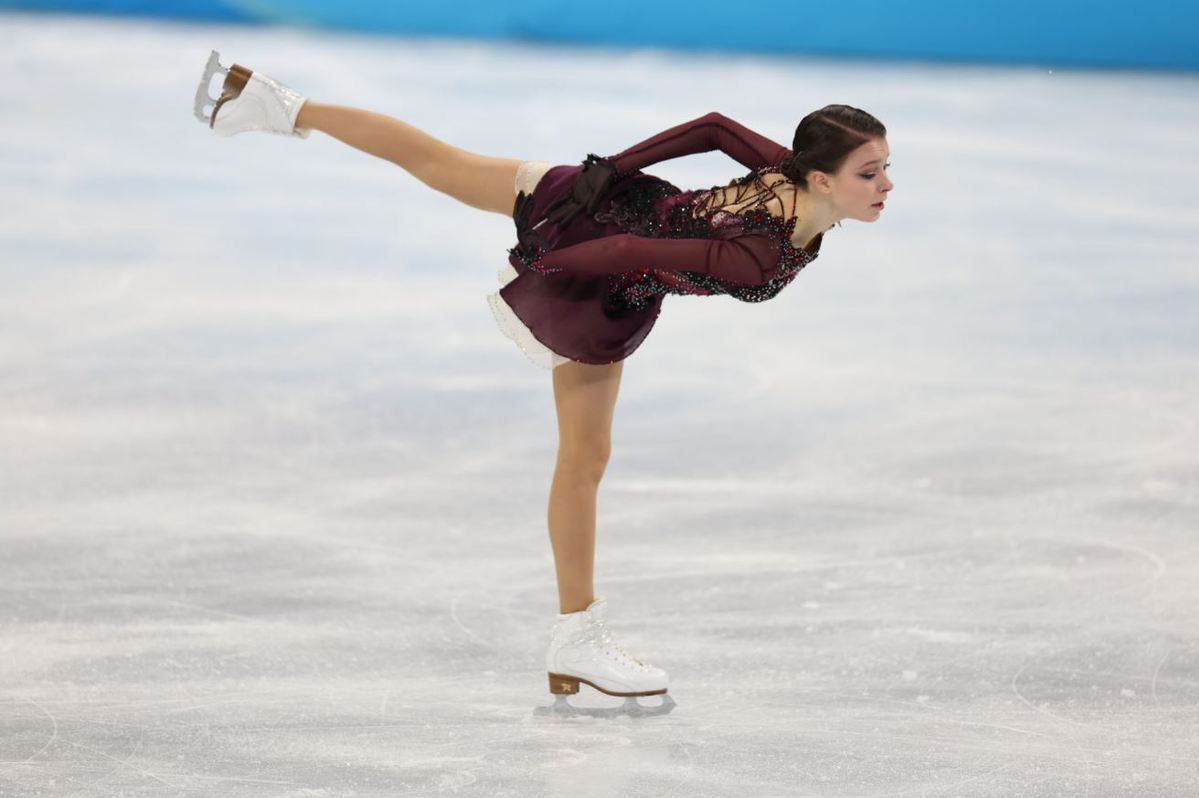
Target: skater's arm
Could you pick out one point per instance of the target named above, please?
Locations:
(712, 131)
(746, 259)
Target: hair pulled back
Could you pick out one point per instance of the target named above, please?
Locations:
(825, 138)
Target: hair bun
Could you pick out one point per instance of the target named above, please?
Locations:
(791, 164)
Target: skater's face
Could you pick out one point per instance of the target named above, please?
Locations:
(861, 184)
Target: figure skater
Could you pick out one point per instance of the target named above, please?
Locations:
(598, 247)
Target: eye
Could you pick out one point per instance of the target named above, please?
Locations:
(872, 175)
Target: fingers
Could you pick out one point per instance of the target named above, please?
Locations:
(564, 214)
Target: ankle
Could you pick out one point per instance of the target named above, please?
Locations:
(307, 117)
(568, 606)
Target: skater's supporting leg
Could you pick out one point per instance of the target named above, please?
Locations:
(585, 395)
(477, 180)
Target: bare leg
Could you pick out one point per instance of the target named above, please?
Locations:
(586, 397)
(477, 180)
(585, 394)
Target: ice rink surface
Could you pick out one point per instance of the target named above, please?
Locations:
(273, 498)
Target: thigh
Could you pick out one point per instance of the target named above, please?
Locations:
(493, 181)
(585, 396)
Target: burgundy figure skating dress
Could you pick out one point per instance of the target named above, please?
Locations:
(594, 293)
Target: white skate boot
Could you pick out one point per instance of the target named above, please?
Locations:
(582, 650)
(248, 101)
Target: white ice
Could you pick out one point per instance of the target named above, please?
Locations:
(273, 490)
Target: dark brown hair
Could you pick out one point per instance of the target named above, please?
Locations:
(825, 138)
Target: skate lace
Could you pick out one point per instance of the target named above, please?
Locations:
(604, 637)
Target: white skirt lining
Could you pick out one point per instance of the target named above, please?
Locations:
(528, 175)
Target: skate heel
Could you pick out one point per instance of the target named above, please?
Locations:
(236, 80)
(563, 685)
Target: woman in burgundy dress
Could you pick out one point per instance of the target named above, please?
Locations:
(599, 245)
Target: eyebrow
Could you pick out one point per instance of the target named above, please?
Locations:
(876, 160)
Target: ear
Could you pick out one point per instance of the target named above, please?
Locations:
(819, 181)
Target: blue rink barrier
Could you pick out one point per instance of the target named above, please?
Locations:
(1161, 34)
(180, 9)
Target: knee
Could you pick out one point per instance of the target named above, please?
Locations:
(586, 460)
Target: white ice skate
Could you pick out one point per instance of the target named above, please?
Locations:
(249, 101)
(582, 651)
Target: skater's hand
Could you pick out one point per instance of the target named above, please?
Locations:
(585, 193)
(522, 214)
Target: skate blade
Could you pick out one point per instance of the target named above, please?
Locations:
(203, 98)
(562, 708)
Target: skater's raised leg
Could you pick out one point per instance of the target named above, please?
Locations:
(585, 395)
(252, 101)
(478, 180)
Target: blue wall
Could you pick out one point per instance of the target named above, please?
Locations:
(1100, 33)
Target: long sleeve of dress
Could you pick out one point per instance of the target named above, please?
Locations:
(712, 131)
(744, 259)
